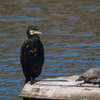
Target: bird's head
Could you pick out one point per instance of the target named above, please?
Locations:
(32, 30)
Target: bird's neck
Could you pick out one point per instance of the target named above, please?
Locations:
(34, 37)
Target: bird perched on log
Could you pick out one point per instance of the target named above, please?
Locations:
(32, 54)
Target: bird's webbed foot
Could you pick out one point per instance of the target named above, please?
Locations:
(32, 81)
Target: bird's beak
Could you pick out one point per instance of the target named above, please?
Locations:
(37, 32)
(32, 32)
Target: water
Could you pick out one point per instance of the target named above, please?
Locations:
(71, 38)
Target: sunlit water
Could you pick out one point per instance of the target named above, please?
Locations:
(71, 39)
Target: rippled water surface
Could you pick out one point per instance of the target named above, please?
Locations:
(71, 38)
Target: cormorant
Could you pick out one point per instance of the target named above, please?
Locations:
(32, 54)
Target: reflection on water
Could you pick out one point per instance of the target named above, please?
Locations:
(31, 8)
(26, 19)
(71, 37)
(89, 8)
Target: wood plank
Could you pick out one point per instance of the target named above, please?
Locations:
(61, 88)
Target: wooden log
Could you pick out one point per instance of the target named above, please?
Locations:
(61, 88)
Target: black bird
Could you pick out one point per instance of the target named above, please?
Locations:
(32, 54)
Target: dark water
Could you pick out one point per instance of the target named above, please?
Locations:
(71, 37)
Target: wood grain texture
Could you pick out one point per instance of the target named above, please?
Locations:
(61, 88)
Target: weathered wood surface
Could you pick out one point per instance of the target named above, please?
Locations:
(61, 88)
